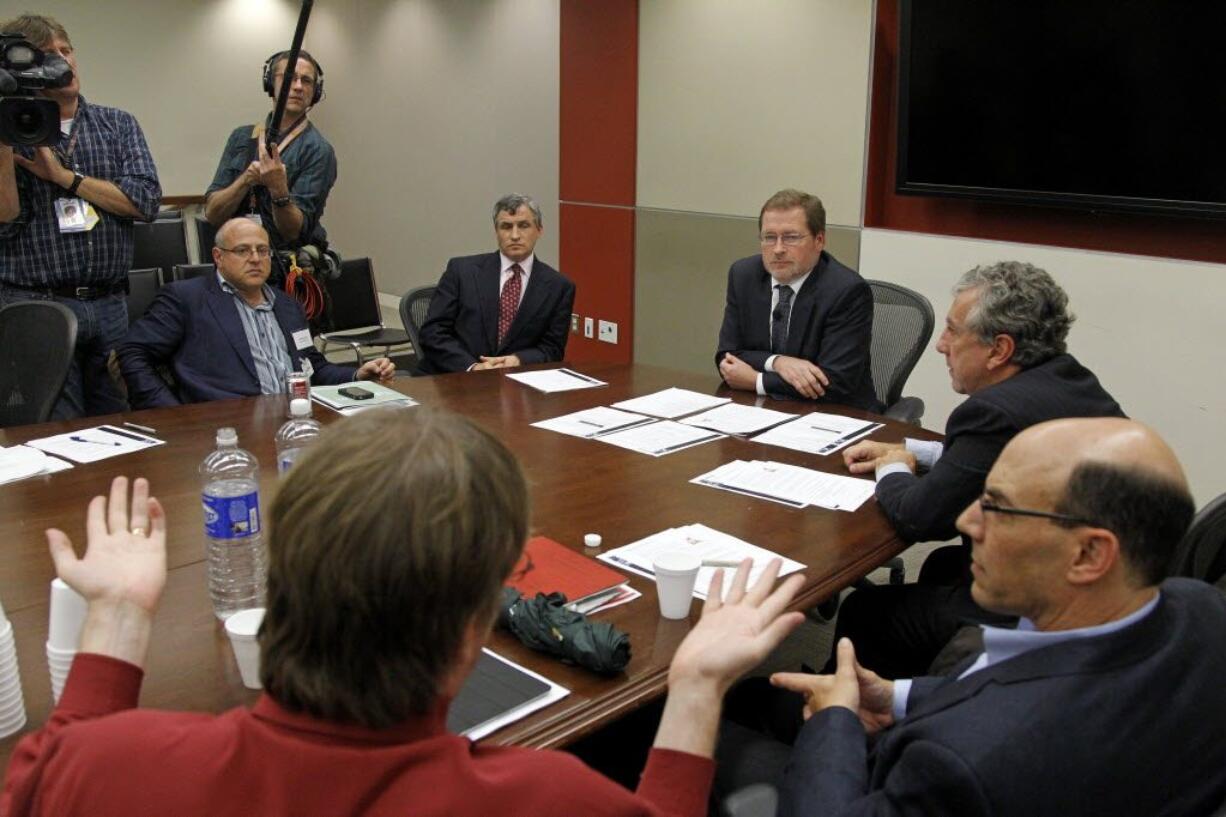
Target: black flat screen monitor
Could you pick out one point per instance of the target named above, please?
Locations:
(1093, 104)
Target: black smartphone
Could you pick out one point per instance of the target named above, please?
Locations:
(356, 393)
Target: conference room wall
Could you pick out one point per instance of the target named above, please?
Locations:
(1150, 328)
(736, 100)
(431, 115)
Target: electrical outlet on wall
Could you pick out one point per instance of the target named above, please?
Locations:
(589, 328)
(608, 332)
(574, 323)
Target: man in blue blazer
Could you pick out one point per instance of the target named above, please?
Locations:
(1107, 698)
(227, 335)
(500, 309)
(797, 322)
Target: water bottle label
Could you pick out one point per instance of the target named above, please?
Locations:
(231, 517)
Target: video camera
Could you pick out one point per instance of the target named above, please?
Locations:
(26, 119)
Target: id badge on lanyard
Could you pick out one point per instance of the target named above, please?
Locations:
(73, 214)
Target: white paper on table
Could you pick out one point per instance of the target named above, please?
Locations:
(20, 462)
(671, 403)
(93, 444)
(755, 479)
(790, 484)
(555, 693)
(591, 422)
(704, 542)
(734, 418)
(551, 380)
(659, 438)
(818, 433)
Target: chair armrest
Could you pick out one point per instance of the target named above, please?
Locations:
(907, 410)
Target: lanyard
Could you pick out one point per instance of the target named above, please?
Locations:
(65, 155)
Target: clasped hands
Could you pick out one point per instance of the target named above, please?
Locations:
(495, 362)
(862, 691)
(802, 375)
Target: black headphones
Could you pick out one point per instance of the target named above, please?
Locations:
(319, 74)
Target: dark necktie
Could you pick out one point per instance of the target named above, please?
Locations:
(508, 302)
(779, 318)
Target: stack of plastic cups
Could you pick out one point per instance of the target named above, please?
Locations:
(63, 633)
(12, 705)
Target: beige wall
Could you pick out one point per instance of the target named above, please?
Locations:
(431, 117)
(738, 99)
(1150, 328)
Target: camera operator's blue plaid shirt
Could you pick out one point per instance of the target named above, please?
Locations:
(33, 251)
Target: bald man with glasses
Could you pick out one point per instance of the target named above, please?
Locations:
(228, 334)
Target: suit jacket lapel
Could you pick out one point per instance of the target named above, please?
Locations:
(533, 298)
(226, 315)
(759, 305)
(802, 311)
(487, 289)
(283, 311)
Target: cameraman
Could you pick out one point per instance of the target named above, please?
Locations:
(103, 168)
(284, 186)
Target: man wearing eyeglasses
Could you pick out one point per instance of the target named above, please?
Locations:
(1106, 699)
(1004, 345)
(797, 323)
(228, 334)
(284, 186)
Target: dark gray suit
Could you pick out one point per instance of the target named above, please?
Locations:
(831, 325)
(1129, 723)
(899, 629)
(462, 323)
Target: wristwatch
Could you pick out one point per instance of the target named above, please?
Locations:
(280, 201)
(77, 178)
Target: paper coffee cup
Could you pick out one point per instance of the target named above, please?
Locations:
(67, 616)
(242, 628)
(675, 574)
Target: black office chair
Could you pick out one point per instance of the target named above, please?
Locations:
(36, 346)
(161, 243)
(353, 304)
(902, 327)
(205, 234)
(1202, 553)
(143, 286)
(413, 308)
(186, 272)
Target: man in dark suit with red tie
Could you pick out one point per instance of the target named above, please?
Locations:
(500, 309)
(797, 323)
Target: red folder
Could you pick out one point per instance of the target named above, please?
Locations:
(547, 566)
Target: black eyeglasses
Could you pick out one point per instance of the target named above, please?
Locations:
(987, 506)
(246, 250)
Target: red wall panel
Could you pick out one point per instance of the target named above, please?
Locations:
(598, 248)
(598, 108)
(1163, 236)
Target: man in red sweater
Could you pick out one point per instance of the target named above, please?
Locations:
(390, 542)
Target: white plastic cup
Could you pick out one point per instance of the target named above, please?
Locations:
(676, 572)
(67, 616)
(242, 628)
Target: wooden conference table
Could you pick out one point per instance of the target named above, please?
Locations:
(578, 486)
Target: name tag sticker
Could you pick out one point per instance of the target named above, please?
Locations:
(302, 339)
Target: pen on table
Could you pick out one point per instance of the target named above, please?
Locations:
(723, 563)
(77, 439)
(573, 373)
(145, 429)
(590, 423)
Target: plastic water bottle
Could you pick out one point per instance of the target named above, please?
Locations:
(296, 435)
(237, 563)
